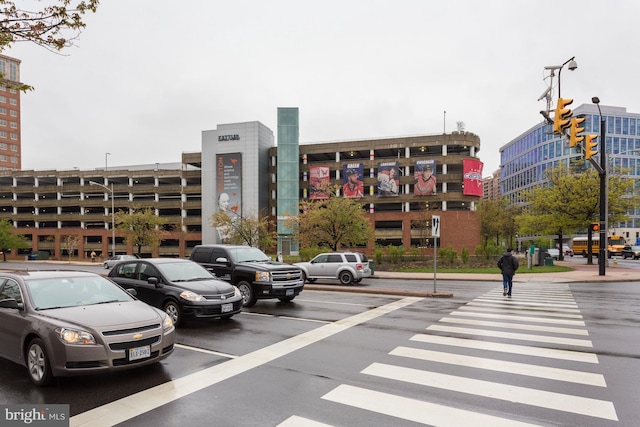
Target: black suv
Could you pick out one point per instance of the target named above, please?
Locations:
(254, 273)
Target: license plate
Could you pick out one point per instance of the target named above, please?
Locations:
(226, 308)
(289, 292)
(140, 352)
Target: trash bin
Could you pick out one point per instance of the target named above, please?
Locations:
(548, 261)
(32, 257)
(372, 265)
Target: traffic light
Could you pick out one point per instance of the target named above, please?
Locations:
(574, 138)
(594, 226)
(563, 116)
(590, 146)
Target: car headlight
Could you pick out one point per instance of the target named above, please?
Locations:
(263, 276)
(191, 296)
(237, 292)
(167, 323)
(74, 336)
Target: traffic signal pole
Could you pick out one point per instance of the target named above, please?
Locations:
(602, 255)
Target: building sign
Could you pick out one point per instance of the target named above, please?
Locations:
(234, 137)
(472, 177)
(352, 183)
(319, 180)
(424, 173)
(388, 179)
(229, 182)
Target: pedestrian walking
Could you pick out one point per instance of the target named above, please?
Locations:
(279, 257)
(508, 264)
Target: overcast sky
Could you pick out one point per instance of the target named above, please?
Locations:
(147, 77)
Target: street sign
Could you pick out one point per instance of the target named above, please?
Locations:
(435, 225)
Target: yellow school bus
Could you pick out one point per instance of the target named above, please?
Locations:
(614, 246)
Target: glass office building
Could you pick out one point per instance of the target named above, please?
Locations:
(525, 159)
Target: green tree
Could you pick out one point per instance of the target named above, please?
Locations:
(53, 27)
(497, 221)
(569, 202)
(9, 239)
(241, 230)
(142, 227)
(331, 222)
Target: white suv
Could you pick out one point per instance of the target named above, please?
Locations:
(347, 267)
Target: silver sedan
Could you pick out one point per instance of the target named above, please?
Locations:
(62, 323)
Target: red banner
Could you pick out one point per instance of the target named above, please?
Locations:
(472, 177)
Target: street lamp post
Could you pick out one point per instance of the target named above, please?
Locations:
(113, 216)
(602, 253)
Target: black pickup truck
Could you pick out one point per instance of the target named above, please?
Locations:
(255, 274)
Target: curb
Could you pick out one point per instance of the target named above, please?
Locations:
(378, 291)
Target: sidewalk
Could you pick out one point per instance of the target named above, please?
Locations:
(581, 273)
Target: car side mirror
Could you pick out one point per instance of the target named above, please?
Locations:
(132, 292)
(222, 260)
(154, 281)
(9, 303)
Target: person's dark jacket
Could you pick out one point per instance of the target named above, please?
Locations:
(508, 264)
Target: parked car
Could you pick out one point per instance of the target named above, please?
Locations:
(180, 287)
(347, 267)
(553, 253)
(631, 252)
(117, 258)
(567, 250)
(251, 270)
(63, 323)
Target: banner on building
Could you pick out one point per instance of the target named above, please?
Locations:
(472, 177)
(352, 180)
(388, 179)
(424, 173)
(319, 181)
(229, 183)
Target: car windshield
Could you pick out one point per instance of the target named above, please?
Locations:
(59, 292)
(184, 272)
(248, 254)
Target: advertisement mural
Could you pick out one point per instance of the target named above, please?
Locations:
(229, 182)
(319, 179)
(388, 179)
(424, 172)
(472, 177)
(353, 185)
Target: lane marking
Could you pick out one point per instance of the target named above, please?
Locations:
(204, 350)
(134, 405)
(526, 369)
(511, 306)
(550, 353)
(511, 335)
(296, 421)
(511, 393)
(414, 410)
(518, 302)
(517, 326)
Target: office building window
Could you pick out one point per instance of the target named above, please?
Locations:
(14, 159)
(3, 146)
(3, 122)
(13, 71)
(13, 113)
(14, 136)
(14, 125)
(14, 147)
(13, 101)
(3, 99)
(3, 158)
(3, 134)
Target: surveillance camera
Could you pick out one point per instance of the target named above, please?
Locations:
(545, 93)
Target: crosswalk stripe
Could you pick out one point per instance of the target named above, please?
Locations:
(519, 318)
(514, 305)
(536, 312)
(511, 335)
(511, 393)
(550, 353)
(518, 302)
(518, 326)
(414, 410)
(526, 369)
(296, 421)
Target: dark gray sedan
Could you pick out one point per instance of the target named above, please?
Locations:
(178, 286)
(631, 252)
(62, 323)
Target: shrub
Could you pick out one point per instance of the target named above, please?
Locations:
(395, 253)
